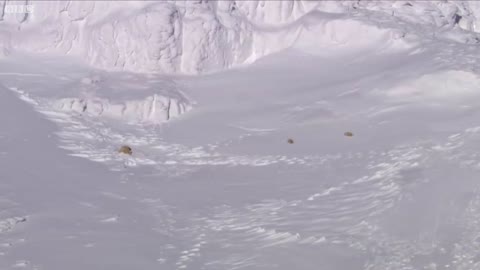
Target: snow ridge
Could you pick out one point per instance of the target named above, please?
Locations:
(200, 36)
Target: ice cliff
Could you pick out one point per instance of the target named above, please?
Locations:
(194, 37)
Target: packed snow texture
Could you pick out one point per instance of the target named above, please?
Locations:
(204, 36)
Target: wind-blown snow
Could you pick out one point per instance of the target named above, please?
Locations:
(203, 36)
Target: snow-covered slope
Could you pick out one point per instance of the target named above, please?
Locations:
(204, 36)
(220, 188)
(248, 167)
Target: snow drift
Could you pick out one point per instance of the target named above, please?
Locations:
(201, 36)
(127, 97)
(154, 109)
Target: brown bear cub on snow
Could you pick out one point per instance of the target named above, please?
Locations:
(125, 149)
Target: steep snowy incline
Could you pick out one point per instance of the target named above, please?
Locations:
(203, 36)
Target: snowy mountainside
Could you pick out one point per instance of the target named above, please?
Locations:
(333, 135)
(203, 36)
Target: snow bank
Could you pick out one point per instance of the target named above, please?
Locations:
(203, 36)
(154, 109)
(123, 97)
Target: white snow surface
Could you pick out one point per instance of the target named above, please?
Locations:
(212, 182)
(204, 36)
